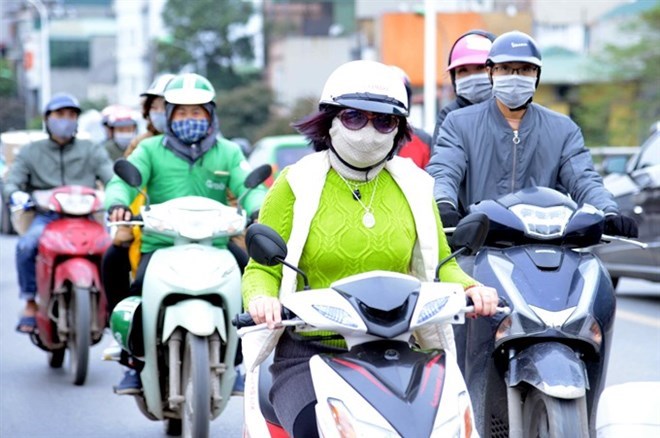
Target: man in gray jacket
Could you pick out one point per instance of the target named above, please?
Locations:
(507, 143)
(60, 160)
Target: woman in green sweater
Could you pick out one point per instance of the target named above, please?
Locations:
(352, 207)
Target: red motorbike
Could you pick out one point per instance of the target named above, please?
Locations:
(72, 305)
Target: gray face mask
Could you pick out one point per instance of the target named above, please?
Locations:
(62, 128)
(514, 90)
(158, 119)
(475, 88)
(123, 139)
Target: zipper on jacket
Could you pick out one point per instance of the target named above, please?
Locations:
(516, 142)
(62, 164)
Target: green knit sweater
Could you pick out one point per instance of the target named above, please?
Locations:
(339, 244)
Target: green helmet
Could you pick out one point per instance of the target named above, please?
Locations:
(126, 325)
(189, 89)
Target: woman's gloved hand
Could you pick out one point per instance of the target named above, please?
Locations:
(620, 225)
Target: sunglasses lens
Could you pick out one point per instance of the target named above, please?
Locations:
(354, 119)
(385, 123)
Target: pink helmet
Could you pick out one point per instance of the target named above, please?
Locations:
(470, 48)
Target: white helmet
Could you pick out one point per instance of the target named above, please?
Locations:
(157, 87)
(189, 89)
(366, 85)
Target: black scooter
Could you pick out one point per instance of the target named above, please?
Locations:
(540, 370)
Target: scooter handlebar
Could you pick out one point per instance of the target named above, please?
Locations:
(502, 306)
(244, 319)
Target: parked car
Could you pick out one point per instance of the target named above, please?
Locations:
(10, 144)
(279, 151)
(637, 191)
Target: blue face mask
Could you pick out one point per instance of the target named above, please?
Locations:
(190, 131)
(158, 119)
(62, 128)
(475, 88)
(514, 90)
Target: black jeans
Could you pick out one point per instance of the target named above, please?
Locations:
(116, 275)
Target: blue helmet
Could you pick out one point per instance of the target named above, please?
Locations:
(62, 100)
(514, 46)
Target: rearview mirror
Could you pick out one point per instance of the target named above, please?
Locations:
(125, 170)
(258, 175)
(264, 245)
(471, 233)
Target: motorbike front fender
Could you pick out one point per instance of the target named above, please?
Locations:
(198, 317)
(551, 367)
(79, 271)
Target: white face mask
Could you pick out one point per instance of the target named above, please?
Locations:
(363, 149)
(123, 139)
(514, 90)
(475, 88)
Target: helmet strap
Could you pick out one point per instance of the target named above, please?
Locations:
(364, 170)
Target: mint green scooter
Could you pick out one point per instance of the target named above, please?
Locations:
(180, 329)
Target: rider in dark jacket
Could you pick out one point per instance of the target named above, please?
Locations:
(508, 143)
(467, 69)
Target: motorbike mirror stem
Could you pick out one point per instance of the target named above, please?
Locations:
(130, 174)
(254, 178)
(445, 260)
(298, 270)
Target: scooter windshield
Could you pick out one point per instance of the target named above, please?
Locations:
(194, 218)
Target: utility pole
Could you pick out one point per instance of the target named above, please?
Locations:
(430, 65)
(44, 95)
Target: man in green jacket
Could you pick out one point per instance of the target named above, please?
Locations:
(60, 160)
(189, 159)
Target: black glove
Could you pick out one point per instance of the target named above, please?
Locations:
(448, 214)
(620, 225)
(126, 209)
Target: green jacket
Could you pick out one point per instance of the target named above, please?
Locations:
(165, 176)
(44, 164)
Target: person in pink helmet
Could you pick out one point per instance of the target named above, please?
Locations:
(467, 69)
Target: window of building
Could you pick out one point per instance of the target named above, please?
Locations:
(69, 53)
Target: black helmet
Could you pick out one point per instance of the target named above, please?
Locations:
(62, 100)
(514, 46)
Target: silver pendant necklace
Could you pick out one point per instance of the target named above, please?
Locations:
(368, 218)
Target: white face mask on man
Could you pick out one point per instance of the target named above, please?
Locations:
(362, 148)
(514, 90)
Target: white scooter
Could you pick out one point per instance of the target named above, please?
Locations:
(179, 329)
(382, 386)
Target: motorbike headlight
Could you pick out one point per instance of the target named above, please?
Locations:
(431, 309)
(349, 427)
(76, 203)
(504, 329)
(544, 223)
(340, 316)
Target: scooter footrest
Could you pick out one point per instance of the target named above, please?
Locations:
(112, 353)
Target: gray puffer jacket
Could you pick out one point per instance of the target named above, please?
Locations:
(478, 156)
(45, 164)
